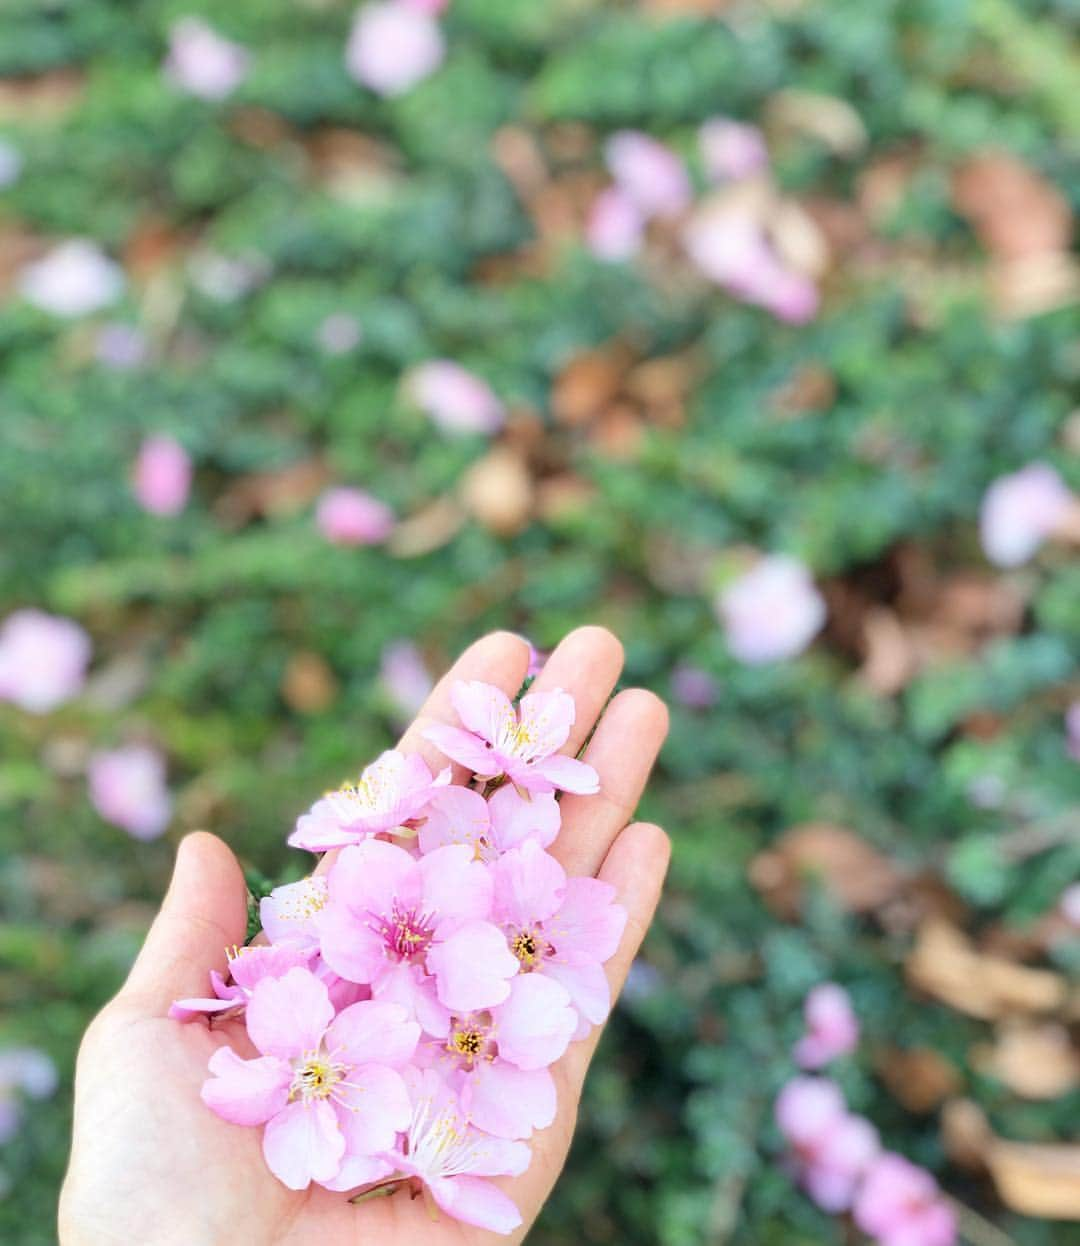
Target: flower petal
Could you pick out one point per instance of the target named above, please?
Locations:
(589, 924)
(246, 1092)
(515, 818)
(546, 717)
(587, 986)
(508, 1102)
(303, 1144)
(373, 1107)
(536, 1022)
(529, 885)
(463, 747)
(471, 967)
(455, 815)
(456, 887)
(568, 774)
(483, 708)
(349, 946)
(287, 1016)
(373, 1031)
(477, 1202)
(358, 1170)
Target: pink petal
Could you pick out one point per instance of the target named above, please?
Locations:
(463, 747)
(529, 885)
(547, 718)
(509, 1102)
(349, 946)
(472, 967)
(303, 1144)
(587, 986)
(358, 1170)
(288, 913)
(477, 1202)
(369, 876)
(373, 1109)
(189, 1009)
(536, 1022)
(589, 924)
(515, 818)
(287, 1016)
(410, 987)
(246, 1092)
(483, 708)
(456, 887)
(373, 1032)
(455, 815)
(568, 774)
(253, 963)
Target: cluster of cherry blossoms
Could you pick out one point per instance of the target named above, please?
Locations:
(403, 1016)
(836, 1155)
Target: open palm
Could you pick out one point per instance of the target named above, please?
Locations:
(150, 1164)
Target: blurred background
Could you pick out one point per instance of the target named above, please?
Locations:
(332, 337)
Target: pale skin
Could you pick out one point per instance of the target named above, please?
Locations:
(151, 1164)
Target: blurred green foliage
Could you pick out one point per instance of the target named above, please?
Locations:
(931, 398)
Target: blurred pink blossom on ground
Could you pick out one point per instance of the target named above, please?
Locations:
(1069, 905)
(693, 687)
(43, 660)
(455, 399)
(405, 678)
(649, 173)
(732, 150)
(830, 1147)
(1072, 730)
(121, 346)
(23, 1071)
(74, 279)
(772, 611)
(202, 62)
(162, 476)
(831, 1024)
(729, 247)
(899, 1204)
(349, 516)
(127, 788)
(615, 228)
(393, 45)
(1020, 511)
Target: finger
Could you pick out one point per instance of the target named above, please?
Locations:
(586, 663)
(622, 752)
(500, 658)
(203, 913)
(635, 866)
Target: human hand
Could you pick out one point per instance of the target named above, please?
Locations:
(151, 1165)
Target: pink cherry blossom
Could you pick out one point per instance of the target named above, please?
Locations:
(1020, 511)
(121, 347)
(615, 228)
(1072, 730)
(11, 164)
(74, 279)
(162, 476)
(202, 62)
(899, 1204)
(339, 333)
(24, 1071)
(771, 612)
(405, 678)
(434, 7)
(416, 930)
(732, 150)
(649, 173)
(832, 1027)
(288, 913)
(693, 687)
(352, 517)
(451, 1157)
(247, 968)
(127, 788)
(522, 744)
(389, 794)
(1069, 905)
(456, 400)
(326, 1087)
(458, 815)
(563, 928)
(729, 247)
(830, 1148)
(43, 660)
(393, 45)
(496, 1060)
(537, 660)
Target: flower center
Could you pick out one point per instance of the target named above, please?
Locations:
(407, 934)
(471, 1038)
(468, 1042)
(528, 946)
(315, 1077)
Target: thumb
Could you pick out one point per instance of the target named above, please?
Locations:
(203, 913)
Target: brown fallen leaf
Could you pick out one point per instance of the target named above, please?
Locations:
(944, 963)
(587, 385)
(563, 497)
(809, 388)
(40, 97)
(308, 684)
(857, 876)
(285, 491)
(1040, 1179)
(891, 659)
(919, 1078)
(1014, 211)
(1034, 1061)
(497, 490)
(830, 120)
(427, 530)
